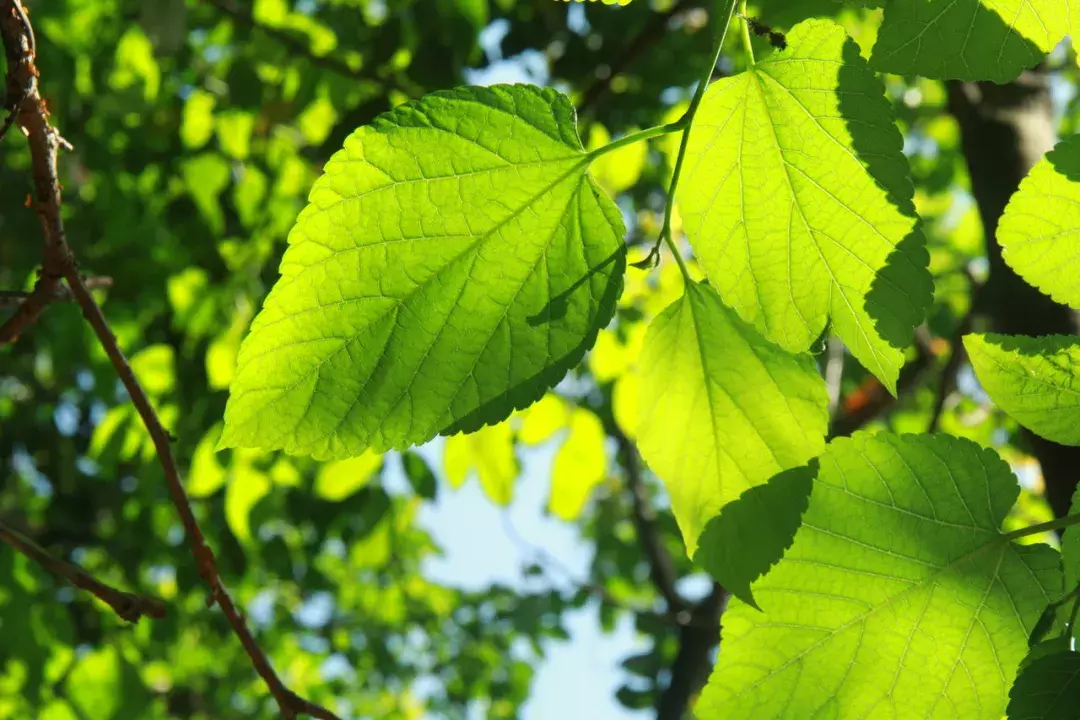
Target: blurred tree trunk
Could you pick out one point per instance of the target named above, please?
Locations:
(1005, 130)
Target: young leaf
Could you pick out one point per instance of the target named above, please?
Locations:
(968, 39)
(580, 464)
(900, 597)
(454, 261)
(490, 454)
(1038, 230)
(1047, 689)
(721, 408)
(1035, 380)
(751, 534)
(797, 199)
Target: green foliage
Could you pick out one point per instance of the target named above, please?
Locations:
(1047, 689)
(898, 581)
(293, 207)
(722, 409)
(1035, 380)
(969, 39)
(770, 514)
(455, 251)
(797, 200)
(1038, 230)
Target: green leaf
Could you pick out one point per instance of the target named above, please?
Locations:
(1035, 380)
(489, 453)
(751, 534)
(968, 39)
(454, 262)
(419, 475)
(579, 465)
(1038, 230)
(1047, 689)
(1070, 547)
(900, 596)
(721, 408)
(247, 486)
(797, 199)
(338, 480)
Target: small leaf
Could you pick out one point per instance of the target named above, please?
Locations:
(454, 261)
(489, 453)
(580, 465)
(968, 39)
(247, 486)
(900, 596)
(797, 199)
(751, 534)
(1047, 689)
(721, 408)
(1035, 380)
(420, 476)
(1038, 230)
(338, 480)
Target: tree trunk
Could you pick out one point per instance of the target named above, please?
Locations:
(1005, 130)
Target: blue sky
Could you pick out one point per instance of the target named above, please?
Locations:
(577, 678)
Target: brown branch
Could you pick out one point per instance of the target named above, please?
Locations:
(61, 293)
(651, 33)
(244, 15)
(58, 261)
(661, 565)
(128, 606)
(690, 669)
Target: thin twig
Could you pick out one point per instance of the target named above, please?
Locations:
(61, 293)
(243, 14)
(128, 606)
(57, 258)
(948, 373)
(834, 371)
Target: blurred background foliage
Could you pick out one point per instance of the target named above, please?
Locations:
(198, 127)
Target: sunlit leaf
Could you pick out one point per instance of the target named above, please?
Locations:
(1035, 380)
(1039, 228)
(796, 198)
(454, 251)
(899, 596)
(721, 408)
(338, 480)
(579, 465)
(489, 453)
(968, 39)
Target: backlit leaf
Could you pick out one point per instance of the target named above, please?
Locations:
(1035, 380)
(454, 262)
(968, 39)
(721, 408)
(1039, 228)
(900, 597)
(797, 200)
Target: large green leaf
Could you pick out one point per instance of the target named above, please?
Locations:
(900, 597)
(454, 261)
(1035, 380)
(751, 534)
(798, 201)
(721, 408)
(1047, 689)
(968, 39)
(1038, 232)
